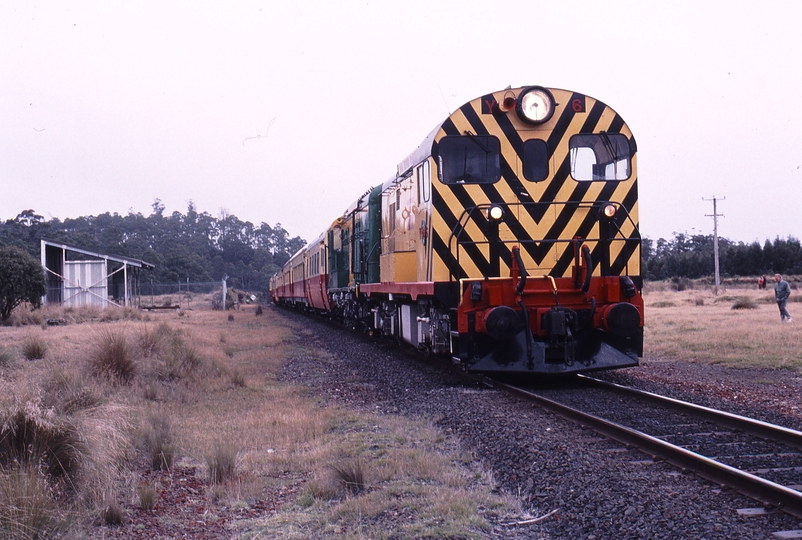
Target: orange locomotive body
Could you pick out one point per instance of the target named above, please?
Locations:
(508, 240)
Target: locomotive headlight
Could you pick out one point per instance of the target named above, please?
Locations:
(535, 105)
(495, 213)
(609, 210)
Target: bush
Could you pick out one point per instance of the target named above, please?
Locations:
(22, 279)
(238, 379)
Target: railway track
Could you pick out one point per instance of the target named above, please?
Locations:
(760, 460)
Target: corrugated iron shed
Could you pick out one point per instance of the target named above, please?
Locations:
(78, 276)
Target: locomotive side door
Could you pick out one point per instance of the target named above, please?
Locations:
(422, 211)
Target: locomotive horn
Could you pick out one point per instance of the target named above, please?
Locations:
(507, 104)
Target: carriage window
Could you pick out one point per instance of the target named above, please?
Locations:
(535, 156)
(602, 156)
(469, 159)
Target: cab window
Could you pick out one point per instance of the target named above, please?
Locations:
(535, 159)
(469, 159)
(600, 156)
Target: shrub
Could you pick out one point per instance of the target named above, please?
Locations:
(744, 302)
(22, 279)
(222, 463)
(113, 357)
(34, 348)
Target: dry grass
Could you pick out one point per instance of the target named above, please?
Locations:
(739, 327)
(188, 393)
(28, 508)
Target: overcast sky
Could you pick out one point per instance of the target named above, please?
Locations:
(285, 112)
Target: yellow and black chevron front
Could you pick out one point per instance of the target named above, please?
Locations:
(543, 215)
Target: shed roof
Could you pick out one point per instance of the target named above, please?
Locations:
(117, 258)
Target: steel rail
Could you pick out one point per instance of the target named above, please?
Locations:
(768, 493)
(766, 430)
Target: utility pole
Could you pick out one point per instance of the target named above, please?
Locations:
(715, 215)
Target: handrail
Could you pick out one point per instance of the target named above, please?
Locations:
(468, 212)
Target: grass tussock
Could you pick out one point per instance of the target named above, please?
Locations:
(113, 357)
(222, 463)
(69, 392)
(29, 506)
(238, 379)
(153, 340)
(112, 513)
(180, 360)
(350, 475)
(34, 348)
(662, 304)
(31, 436)
(157, 441)
(147, 496)
(744, 302)
(6, 357)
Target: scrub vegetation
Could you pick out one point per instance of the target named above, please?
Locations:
(738, 327)
(95, 432)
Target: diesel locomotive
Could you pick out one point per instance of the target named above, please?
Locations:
(508, 240)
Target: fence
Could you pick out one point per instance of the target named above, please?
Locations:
(166, 294)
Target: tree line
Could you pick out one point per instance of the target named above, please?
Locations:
(202, 248)
(691, 256)
(192, 245)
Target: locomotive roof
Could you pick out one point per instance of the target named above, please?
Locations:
(423, 151)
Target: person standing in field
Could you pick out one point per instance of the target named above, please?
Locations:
(781, 293)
